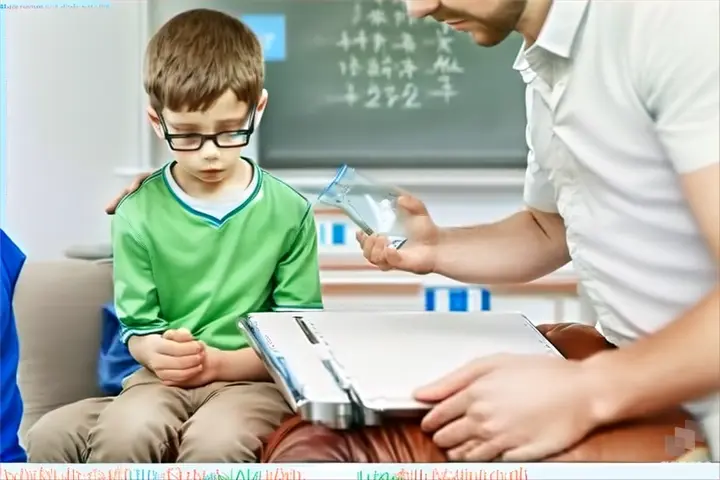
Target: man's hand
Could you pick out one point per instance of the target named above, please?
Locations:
(418, 253)
(172, 357)
(517, 408)
(110, 208)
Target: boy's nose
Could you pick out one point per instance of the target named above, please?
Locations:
(421, 8)
(209, 150)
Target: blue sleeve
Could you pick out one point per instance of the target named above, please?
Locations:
(11, 407)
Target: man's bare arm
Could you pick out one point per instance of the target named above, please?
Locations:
(521, 248)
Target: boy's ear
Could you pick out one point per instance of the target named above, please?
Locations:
(262, 103)
(155, 122)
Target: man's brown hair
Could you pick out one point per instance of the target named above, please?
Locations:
(197, 56)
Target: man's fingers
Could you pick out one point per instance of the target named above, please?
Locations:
(373, 250)
(376, 250)
(531, 451)
(178, 376)
(455, 433)
(110, 208)
(485, 451)
(446, 411)
(412, 205)
(455, 381)
(458, 453)
(393, 257)
(377, 255)
(138, 181)
(368, 246)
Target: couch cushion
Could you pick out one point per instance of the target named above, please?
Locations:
(58, 313)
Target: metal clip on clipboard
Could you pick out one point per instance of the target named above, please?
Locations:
(325, 397)
(343, 369)
(335, 369)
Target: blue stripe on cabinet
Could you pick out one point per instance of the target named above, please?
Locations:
(333, 234)
(338, 234)
(485, 303)
(429, 299)
(456, 299)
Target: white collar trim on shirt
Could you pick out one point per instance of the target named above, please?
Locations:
(202, 203)
(559, 31)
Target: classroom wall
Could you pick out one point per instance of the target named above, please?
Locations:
(73, 116)
(76, 130)
(76, 133)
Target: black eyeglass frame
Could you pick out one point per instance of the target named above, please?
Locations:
(169, 137)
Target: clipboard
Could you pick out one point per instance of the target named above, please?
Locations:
(345, 369)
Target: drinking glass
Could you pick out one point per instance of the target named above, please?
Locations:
(371, 205)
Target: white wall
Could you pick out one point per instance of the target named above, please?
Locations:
(76, 130)
(72, 117)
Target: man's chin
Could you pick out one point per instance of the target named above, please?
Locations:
(487, 39)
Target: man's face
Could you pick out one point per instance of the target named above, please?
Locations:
(489, 22)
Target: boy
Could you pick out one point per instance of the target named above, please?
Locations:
(208, 237)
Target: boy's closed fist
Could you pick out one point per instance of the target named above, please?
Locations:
(208, 367)
(180, 335)
(175, 356)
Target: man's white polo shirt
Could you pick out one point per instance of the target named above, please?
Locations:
(622, 99)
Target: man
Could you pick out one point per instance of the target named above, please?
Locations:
(623, 179)
(11, 407)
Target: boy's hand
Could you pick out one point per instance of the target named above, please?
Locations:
(173, 357)
(209, 367)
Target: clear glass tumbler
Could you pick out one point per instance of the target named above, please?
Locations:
(371, 206)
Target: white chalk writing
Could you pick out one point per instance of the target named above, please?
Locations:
(392, 61)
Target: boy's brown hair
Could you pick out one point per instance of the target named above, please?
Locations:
(197, 56)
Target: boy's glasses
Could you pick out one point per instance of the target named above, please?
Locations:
(191, 142)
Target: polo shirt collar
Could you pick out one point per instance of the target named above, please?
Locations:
(561, 26)
(559, 31)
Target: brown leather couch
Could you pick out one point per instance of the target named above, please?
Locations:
(647, 440)
(58, 315)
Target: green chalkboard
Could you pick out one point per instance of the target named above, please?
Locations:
(363, 84)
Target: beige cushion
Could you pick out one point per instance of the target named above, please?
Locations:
(58, 309)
